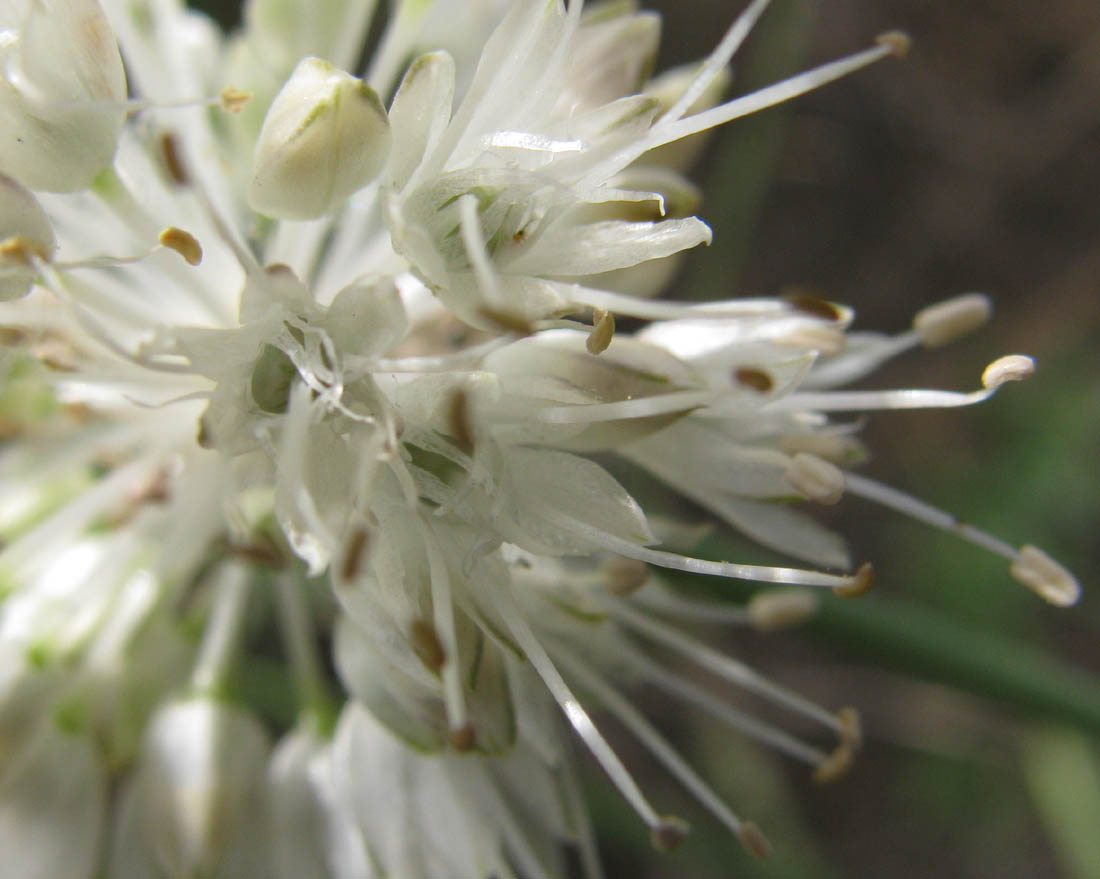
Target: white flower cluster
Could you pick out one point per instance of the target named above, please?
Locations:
(336, 358)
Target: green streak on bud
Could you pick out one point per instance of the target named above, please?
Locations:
(271, 380)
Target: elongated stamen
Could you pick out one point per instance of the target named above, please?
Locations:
(690, 610)
(717, 663)
(476, 251)
(300, 645)
(648, 735)
(778, 93)
(443, 617)
(577, 716)
(718, 59)
(690, 565)
(932, 327)
(229, 98)
(225, 628)
(1030, 566)
(656, 309)
(643, 407)
(1012, 367)
(688, 691)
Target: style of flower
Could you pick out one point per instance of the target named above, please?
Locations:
(337, 356)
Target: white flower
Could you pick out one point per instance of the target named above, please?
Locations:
(368, 416)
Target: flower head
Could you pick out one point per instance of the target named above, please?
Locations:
(345, 365)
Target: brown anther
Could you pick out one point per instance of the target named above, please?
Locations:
(261, 550)
(22, 249)
(183, 243)
(897, 42)
(862, 581)
(603, 330)
(234, 99)
(625, 576)
(507, 322)
(756, 379)
(776, 609)
(519, 236)
(754, 840)
(426, 644)
(279, 270)
(203, 436)
(173, 162)
(463, 738)
(458, 418)
(835, 766)
(851, 729)
(668, 833)
(813, 305)
(353, 554)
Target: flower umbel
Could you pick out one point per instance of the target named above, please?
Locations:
(332, 354)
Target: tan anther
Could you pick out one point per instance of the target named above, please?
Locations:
(836, 765)
(777, 609)
(426, 644)
(462, 738)
(815, 478)
(851, 729)
(946, 321)
(1010, 368)
(603, 330)
(234, 99)
(183, 243)
(898, 42)
(1045, 577)
(861, 583)
(625, 576)
(23, 250)
(834, 447)
(458, 417)
(354, 551)
(668, 833)
(755, 379)
(754, 840)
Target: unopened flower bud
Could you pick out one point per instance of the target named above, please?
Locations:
(53, 797)
(62, 95)
(202, 765)
(325, 136)
(24, 230)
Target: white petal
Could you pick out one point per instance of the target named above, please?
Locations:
(201, 764)
(419, 112)
(61, 96)
(602, 247)
(575, 488)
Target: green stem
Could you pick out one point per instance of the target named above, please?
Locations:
(937, 647)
